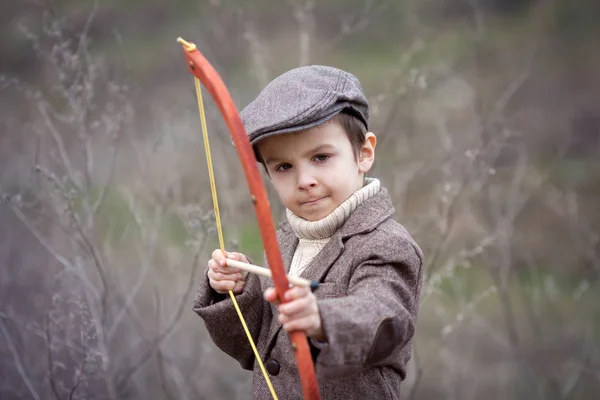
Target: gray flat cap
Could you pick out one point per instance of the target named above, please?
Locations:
(303, 98)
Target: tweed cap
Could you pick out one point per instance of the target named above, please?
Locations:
(303, 98)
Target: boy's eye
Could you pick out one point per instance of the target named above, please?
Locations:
(321, 157)
(283, 167)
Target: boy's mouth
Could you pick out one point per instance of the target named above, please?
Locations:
(313, 201)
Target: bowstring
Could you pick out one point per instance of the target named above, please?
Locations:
(213, 189)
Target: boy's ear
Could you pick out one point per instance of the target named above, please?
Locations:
(366, 157)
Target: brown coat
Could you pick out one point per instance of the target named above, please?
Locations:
(370, 273)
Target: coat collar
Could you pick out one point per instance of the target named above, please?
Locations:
(365, 218)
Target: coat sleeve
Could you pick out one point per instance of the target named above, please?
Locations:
(222, 322)
(372, 324)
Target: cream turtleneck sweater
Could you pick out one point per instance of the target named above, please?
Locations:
(314, 235)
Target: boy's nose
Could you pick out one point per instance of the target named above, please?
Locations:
(306, 181)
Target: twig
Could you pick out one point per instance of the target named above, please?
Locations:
(59, 144)
(159, 355)
(125, 376)
(257, 52)
(84, 33)
(419, 375)
(38, 332)
(398, 94)
(62, 260)
(74, 388)
(105, 188)
(49, 359)
(17, 360)
(357, 24)
(446, 223)
(146, 255)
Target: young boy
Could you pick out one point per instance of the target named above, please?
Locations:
(309, 128)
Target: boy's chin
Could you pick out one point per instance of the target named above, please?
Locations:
(314, 212)
(313, 216)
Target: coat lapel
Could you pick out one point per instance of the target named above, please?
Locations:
(365, 218)
(287, 245)
(319, 265)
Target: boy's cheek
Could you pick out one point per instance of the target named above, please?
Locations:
(286, 199)
(282, 190)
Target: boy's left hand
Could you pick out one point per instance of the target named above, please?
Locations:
(300, 313)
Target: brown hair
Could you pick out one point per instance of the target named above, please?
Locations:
(355, 129)
(353, 126)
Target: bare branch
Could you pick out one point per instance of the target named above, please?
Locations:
(58, 140)
(57, 256)
(153, 345)
(159, 355)
(37, 331)
(303, 13)
(75, 387)
(17, 360)
(515, 85)
(257, 52)
(76, 224)
(396, 91)
(84, 33)
(355, 23)
(146, 256)
(112, 168)
(418, 365)
(50, 360)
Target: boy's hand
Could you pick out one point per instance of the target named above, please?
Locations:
(300, 313)
(222, 278)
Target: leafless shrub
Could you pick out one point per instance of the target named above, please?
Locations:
(108, 314)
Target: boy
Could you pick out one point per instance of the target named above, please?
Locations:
(309, 129)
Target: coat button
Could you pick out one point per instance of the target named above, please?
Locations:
(272, 367)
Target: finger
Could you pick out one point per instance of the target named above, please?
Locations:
(239, 287)
(220, 276)
(222, 286)
(218, 256)
(282, 318)
(305, 324)
(212, 265)
(232, 255)
(239, 257)
(236, 257)
(298, 307)
(285, 318)
(296, 292)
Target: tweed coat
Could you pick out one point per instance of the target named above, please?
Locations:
(370, 275)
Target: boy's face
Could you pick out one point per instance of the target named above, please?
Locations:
(315, 170)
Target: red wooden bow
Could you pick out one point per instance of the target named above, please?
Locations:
(204, 71)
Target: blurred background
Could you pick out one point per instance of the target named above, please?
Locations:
(488, 119)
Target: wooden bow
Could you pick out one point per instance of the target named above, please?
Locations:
(204, 71)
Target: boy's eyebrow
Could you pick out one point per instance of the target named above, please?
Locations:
(322, 147)
(319, 148)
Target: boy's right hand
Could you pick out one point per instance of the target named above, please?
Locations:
(222, 278)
